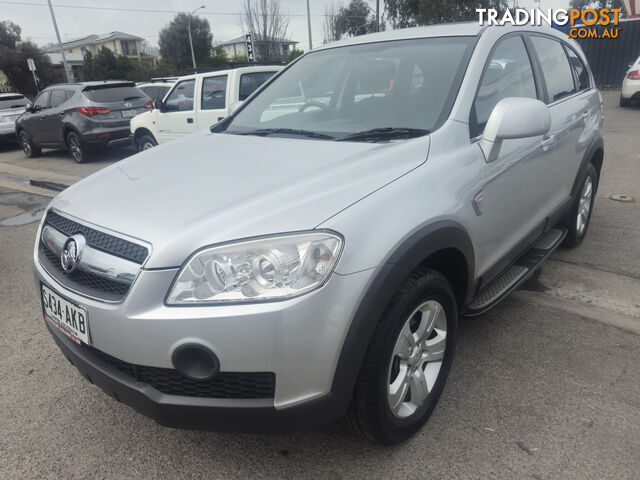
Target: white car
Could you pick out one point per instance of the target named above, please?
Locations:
(196, 102)
(631, 85)
(12, 105)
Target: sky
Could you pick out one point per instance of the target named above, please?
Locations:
(77, 18)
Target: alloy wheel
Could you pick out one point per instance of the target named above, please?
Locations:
(24, 141)
(584, 206)
(75, 147)
(417, 359)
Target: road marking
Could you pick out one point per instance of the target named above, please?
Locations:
(27, 188)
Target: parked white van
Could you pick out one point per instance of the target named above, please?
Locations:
(196, 102)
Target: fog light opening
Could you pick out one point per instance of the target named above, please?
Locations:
(195, 362)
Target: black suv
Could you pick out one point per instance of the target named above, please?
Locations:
(80, 117)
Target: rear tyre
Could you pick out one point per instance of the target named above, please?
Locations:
(624, 102)
(77, 148)
(29, 149)
(577, 222)
(407, 361)
(146, 141)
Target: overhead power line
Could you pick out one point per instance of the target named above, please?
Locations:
(143, 10)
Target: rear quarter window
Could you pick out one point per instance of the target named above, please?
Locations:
(114, 94)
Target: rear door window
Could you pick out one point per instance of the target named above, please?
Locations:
(113, 94)
(249, 83)
(181, 97)
(214, 92)
(555, 68)
(58, 97)
(508, 74)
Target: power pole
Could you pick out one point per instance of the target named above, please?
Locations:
(309, 25)
(64, 59)
(193, 57)
(377, 15)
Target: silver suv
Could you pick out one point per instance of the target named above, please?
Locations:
(308, 257)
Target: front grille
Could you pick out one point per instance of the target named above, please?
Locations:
(97, 239)
(83, 282)
(169, 381)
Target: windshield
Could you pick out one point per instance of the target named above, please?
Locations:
(388, 86)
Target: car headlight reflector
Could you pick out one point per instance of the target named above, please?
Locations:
(268, 268)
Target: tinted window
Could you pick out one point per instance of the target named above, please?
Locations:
(42, 100)
(339, 91)
(58, 97)
(181, 97)
(163, 92)
(249, 82)
(555, 68)
(113, 94)
(579, 69)
(508, 74)
(214, 90)
(13, 101)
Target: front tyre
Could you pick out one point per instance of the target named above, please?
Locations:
(29, 149)
(146, 141)
(577, 222)
(407, 361)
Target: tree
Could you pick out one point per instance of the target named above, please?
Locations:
(330, 25)
(13, 61)
(217, 59)
(266, 23)
(9, 34)
(355, 19)
(174, 41)
(105, 65)
(408, 13)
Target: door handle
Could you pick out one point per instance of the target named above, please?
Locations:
(189, 120)
(547, 140)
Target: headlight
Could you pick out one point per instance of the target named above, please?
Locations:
(267, 268)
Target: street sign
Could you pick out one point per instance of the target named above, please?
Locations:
(31, 64)
(250, 55)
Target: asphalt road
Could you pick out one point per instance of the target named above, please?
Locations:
(543, 387)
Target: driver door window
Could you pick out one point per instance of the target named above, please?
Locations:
(42, 101)
(178, 119)
(181, 97)
(508, 74)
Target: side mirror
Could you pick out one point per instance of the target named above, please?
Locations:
(28, 107)
(514, 117)
(159, 105)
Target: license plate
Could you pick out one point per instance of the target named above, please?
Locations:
(70, 319)
(129, 113)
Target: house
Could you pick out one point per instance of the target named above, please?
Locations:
(119, 43)
(238, 46)
(74, 62)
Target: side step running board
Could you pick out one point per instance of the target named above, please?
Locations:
(516, 274)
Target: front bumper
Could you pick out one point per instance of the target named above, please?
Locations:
(300, 340)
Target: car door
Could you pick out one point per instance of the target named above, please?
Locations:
(34, 123)
(510, 200)
(178, 117)
(574, 111)
(51, 121)
(213, 100)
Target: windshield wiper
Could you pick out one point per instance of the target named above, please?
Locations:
(131, 98)
(287, 131)
(387, 133)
